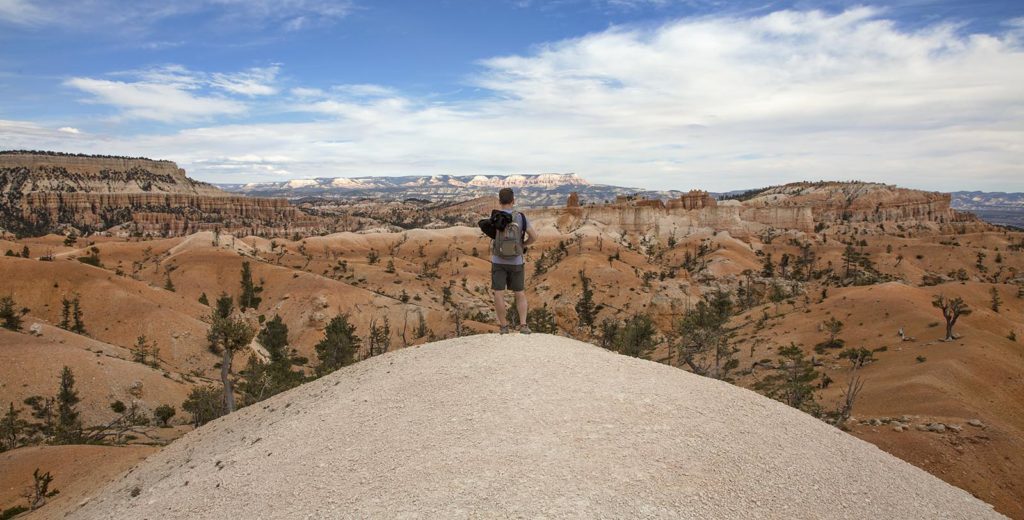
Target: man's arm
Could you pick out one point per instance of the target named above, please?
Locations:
(531, 234)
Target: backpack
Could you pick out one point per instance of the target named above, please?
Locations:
(508, 241)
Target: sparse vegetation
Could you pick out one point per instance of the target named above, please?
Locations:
(793, 382)
(204, 403)
(68, 429)
(250, 298)
(227, 336)
(93, 258)
(266, 378)
(585, 307)
(71, 315)
(339, 346)
(833, 327)
(703, 339)
(10, 318)
(540, 319)
(951, 309)
(637, 337)
(163, 414)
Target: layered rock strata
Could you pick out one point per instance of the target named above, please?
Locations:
(45, 193)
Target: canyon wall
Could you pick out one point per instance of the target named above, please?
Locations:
(861, 202)
(737, 220)
(45, 193)
(799, 206)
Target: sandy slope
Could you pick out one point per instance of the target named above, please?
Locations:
(32, 366)
(76, 471)
(517, 426)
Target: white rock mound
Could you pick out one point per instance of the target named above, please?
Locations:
(523, 426)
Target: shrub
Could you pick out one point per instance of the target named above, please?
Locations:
(339, 346)
(9, 317)
(163, 414)
(541, 320)
(637, 336)
(204, 403)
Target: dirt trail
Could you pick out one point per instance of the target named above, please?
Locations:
(523, 426)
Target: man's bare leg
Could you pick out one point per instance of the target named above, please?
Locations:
(520, 306)
(499, 307)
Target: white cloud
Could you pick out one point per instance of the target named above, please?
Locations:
(364, 90)
(69, 130)
(143, 15)
(173, 93)
(715, 102)
(20, 12)
(253, 82)
(159, 102)
(305, 92)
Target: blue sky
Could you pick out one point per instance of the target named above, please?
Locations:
(653, 93)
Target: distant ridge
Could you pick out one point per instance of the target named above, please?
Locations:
(532, 190)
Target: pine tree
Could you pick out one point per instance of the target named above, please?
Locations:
(204, 403)
(77, 325)
(703, 338)
(997, 302)
(422, 330)
(380, 337)
(767, 267)
(637, 336)
(227, 336)
(163, 414)
(609, 333)
(585, 307)
(793, 384)
(11, 427)
(168, 284)
(541, 320)
(69, 425)
(250, 298)
(9, 316)
(204, 300)
(339, 346)
(833, 327)
(65, 313)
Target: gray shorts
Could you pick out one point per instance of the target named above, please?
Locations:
(511, 276)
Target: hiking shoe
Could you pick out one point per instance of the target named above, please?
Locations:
(525, 330)
(503, 330)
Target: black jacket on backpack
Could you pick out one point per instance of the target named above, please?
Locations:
(497, 222)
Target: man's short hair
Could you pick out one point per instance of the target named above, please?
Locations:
(505, 196)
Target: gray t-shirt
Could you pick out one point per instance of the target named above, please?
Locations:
(495, 259)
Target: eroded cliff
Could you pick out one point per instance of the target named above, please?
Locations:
(52, 192)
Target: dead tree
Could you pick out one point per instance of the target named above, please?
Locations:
(951, 309)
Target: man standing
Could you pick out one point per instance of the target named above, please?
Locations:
(513, 234)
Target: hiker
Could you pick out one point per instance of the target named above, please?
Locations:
(511, 233)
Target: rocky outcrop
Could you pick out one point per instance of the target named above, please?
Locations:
(798, 206)
(50, 192)
(644, 216)
(695, 199)
(860, 202)
(26, 173)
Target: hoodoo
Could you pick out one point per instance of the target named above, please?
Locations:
(515, 426)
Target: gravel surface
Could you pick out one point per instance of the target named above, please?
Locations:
(523, 427)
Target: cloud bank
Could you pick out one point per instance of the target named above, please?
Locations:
(717, 102)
